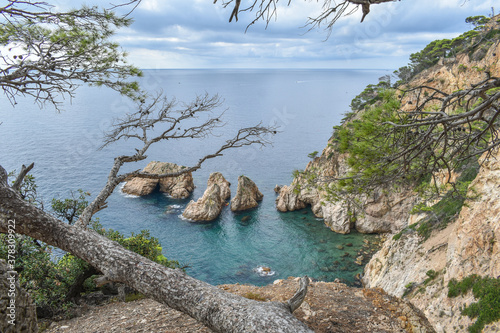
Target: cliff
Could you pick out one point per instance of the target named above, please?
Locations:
(415, 262)
(420, 267)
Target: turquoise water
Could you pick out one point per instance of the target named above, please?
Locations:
(304, 104)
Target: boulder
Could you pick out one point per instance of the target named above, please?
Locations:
(247, 195)
(179, 187)
(218, 178)
(207, 208)
(210, 205)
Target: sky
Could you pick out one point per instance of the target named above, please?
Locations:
(197, 34)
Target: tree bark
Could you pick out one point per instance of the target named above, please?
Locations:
(217, 309)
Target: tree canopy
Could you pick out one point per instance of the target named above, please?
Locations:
(46, 55)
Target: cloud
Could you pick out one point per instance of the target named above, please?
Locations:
(197, 34)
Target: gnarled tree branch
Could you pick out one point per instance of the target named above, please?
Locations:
(194, 120)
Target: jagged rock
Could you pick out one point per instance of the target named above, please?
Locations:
(277, 188)
(179, 187)
(468, 245)
(207, 208)
(288, 199)
(247, 195)
(218, 178)
(210, 205)
(22, 312)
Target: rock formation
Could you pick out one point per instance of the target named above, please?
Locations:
(210, 205)
(224, 185)
(247, 195)
(179, 187)
(421, 268)
(22, 312)
(382, 211)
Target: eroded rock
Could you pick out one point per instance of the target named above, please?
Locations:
(247, 195)
(210, 205)
(179, 187)
(207, 208)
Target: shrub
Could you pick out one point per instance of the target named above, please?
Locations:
(487, 291)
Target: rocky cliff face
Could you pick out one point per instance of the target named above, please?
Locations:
(468, 245)
(179, 187)
(385, 210)
(421, 268)
(409, 265)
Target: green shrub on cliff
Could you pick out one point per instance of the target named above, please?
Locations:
(487, 291)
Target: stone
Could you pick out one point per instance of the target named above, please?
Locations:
(207, 208)
(179, 187)
(210, 205)
(277, 188)
(247, 195)
(224, 185)
(246, 218)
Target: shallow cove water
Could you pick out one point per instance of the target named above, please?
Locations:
(304, 104)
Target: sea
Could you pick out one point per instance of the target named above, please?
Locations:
(304, 105)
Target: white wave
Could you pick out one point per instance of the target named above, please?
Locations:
(126, 195)
(264, 271)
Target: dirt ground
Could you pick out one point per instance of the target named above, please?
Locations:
(328, 307)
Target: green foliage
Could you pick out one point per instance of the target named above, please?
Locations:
(431, 275)
(487, 291)
(28, 189)
(70, 208)
(62, 50)
(365, 140)
(478, 21)
(367, 97)
(142, 243)
(39, 275)
(450, 205)
(313, 154)
(446, 48)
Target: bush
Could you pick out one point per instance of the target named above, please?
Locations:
(487, 291)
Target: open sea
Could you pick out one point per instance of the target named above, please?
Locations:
(304, 104)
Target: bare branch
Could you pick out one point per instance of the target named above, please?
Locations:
(193, 120)
(266, 10)
(19, 180)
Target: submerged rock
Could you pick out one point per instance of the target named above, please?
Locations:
(178, 187)
(210, 205)
(247, 195)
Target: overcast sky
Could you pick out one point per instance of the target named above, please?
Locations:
(197, 34)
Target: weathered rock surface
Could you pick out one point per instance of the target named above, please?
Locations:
(179, 187)
(207, 208)
(224, 185)
(22, 313)
(383, 211)
(210, 205)
(247, 195)
(469, 245)
(328, 308)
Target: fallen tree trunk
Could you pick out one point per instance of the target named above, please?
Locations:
(217, 309)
